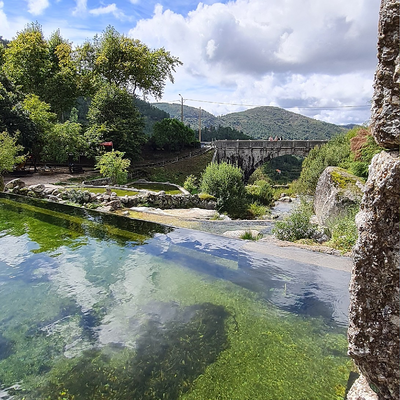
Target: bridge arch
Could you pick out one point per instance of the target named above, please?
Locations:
(249, 154)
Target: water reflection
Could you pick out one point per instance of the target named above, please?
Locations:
(126, 310)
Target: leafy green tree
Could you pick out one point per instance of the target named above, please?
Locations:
(9, 150)
(334, 153)
(63, 84)
(27, 60)
(13, 117)
(171, 134)
(112, 165)
(127, 63)
(112, 112)
(225, 182)
(62, 140)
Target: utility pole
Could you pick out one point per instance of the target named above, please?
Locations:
(181, 108)
(200, 124)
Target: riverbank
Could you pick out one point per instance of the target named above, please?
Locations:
(203, 220)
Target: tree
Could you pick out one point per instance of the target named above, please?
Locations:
(62, 140)
(112, 111)
(128, 63)
(13, 117)
(225, 182)
(62, 86)
(171, 134)
(9, 150)
(112, 165)
(27, 60)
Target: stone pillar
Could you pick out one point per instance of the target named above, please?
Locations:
(374, 289)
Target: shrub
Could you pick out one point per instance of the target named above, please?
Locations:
(261, 192)
(191, 184)
(112, 165)
(343, 231)
(258, 175)
(225, 183)
(256, 211)
(247, 235)
(296, 225)
(334, 153)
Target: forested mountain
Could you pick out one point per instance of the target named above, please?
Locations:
(263, 122)
(150, 114)
(259, 122)
(190, 115)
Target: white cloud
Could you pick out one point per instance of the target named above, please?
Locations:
(80, 9)
(110, 9)
(3, 18)
(36, 7)
(280, 52)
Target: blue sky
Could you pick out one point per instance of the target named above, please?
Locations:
(313, 57)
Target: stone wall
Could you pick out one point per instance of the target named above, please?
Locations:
(374, 290)
(109, 200)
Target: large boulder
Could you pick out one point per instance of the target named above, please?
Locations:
(385, 116)
(336, 191)
(374, 289)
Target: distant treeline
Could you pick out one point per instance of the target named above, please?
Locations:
(221, 133)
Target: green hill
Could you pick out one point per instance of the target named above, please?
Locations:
(190, 115)
(263, 122)
(259, 122)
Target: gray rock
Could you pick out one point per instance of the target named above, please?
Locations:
(114, 205)
(15, 183)
(385, 117)
(374, 289)
(336, 191)
(361, 391)
(37, 188)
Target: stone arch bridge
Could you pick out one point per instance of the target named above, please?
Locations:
(250, 154)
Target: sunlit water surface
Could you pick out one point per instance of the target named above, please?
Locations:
(101, 307)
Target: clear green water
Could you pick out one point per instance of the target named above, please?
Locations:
(99, 307)
(118, 192)
(157, 187)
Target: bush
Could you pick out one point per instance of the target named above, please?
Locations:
(225, 183)
(112, 165)
(256, 211)
(343, 231)
(261, 192)
(258, 175)
(191, 184)
(334, 153)
(297, 225)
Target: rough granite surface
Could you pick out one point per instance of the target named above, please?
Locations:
(336, 191)
(374, 289)
(385, 119)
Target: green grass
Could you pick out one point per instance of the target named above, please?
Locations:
(178, 172)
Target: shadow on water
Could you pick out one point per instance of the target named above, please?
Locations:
(168, 357)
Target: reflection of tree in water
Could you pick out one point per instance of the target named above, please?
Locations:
(167, 359)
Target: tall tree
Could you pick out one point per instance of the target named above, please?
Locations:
(27, 60)
(13, 117)
(62, 87)
(128, 63)
(112, 111)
